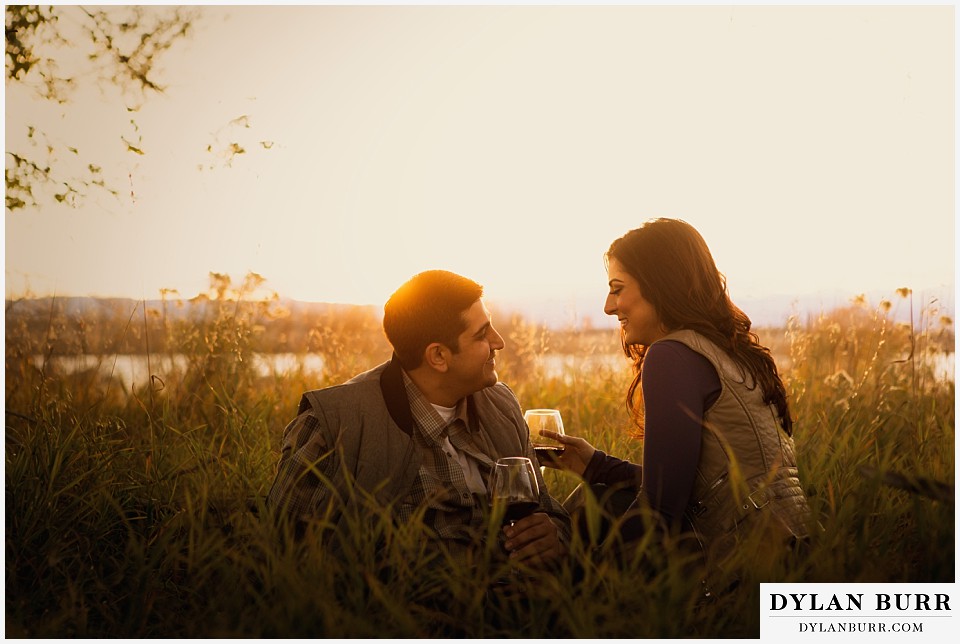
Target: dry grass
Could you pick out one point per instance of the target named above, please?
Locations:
(138, 513)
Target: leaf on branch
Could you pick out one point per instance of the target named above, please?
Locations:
(116, 47)
(131, 147)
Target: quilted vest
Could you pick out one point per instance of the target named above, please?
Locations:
(747, 479)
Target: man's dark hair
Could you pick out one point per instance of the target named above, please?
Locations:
(428, 308)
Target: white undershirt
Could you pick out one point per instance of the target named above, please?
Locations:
(470, 467)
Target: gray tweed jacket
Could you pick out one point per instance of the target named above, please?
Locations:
(352, 443)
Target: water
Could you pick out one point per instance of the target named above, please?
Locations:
(944, 366)
(135, 369)
(569, 366)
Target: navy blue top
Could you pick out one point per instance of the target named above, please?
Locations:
(678, 385)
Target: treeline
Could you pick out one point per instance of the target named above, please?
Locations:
(66, 326)
(107, 326)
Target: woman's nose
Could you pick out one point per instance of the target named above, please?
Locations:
(610, 306)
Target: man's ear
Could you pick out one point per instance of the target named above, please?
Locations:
(436, 356)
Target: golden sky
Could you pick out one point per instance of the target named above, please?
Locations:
(813, 147)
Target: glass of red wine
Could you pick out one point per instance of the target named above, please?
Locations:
(545, 448)
(514, 488)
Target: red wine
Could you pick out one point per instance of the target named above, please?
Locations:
(516, 510)
(547, 453)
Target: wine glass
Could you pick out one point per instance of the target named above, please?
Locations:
(545, 448)
(513, 486)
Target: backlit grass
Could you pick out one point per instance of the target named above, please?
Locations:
(139, 513)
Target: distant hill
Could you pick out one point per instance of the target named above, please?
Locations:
(174, 308)
(555, 312)
(770, 311)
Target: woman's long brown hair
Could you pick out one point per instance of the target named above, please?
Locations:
(677, 275)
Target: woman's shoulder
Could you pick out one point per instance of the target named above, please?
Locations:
(679, 359)
(671, 349)
(692, 343)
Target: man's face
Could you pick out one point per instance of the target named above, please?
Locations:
(474, 366)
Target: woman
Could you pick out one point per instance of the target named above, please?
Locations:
(718, 457)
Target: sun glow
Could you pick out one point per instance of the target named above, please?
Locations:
(512, 145)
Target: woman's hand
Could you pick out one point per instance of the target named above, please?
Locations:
(577, 452)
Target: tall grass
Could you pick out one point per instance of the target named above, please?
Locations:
(139, 513)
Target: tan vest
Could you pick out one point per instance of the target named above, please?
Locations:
(747, 474)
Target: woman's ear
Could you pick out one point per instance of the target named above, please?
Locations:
(435, 356)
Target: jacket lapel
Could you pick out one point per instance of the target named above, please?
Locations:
(395, 396)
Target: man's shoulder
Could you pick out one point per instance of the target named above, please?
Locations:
(499, 394)
(368, 375)
(359, 386)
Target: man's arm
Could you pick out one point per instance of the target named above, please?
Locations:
(302, 486)
(545, 534)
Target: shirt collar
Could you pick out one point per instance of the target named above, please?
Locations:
(431, 424)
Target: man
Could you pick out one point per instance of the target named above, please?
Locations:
(421, 432)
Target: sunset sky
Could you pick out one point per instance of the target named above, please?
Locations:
(813, 147)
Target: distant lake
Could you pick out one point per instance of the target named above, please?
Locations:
(129, 369)
(135, 369)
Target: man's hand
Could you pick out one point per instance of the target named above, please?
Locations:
(534, 538)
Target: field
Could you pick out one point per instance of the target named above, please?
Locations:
(138, 512)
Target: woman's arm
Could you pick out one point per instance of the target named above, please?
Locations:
(610, 470)
(678, 385)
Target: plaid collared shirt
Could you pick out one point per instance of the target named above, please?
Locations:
(453, 511)
(440, 496)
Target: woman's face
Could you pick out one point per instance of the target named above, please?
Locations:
(638, 318)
